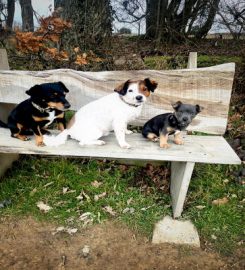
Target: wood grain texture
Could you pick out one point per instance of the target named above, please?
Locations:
(209, 87)
(204, 149)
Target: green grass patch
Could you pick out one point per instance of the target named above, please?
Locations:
(212, 60)
(43, 179)
(179, 62)
(165, 62)
(33, 179)
(221, 225)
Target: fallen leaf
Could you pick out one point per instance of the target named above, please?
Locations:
(220, 201)
(96, 184)
(200, 207)
(33, 191)
(146, 208)
(85, 215)
(85, 251)
(129, 201)
(79, 197)
(44, 207)
(87, 218)
(65, 229)
(99, 196)
(130, 210)
(48, 184)
(76, 49)
(60, 229)
(71, 230)
(83, 195)
(109, 210)
(64, 190)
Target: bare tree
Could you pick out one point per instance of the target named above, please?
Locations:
(232, 16)
(91, 20)
(170, 19)
(10, 16)
(27, 15)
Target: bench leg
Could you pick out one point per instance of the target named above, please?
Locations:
(180, 178)
(6, 161)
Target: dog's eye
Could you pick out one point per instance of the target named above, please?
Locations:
(130, 90)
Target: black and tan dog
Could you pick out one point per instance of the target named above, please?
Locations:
(47, 103)
(170, 123)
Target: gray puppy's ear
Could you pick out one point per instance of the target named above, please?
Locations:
(199, 108)
(34, 91)
(122, 88)
(176, 105)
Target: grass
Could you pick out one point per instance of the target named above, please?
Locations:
(43, 179)
(172, 62)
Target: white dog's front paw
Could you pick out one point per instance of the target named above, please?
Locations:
(125, 145)
(128, 132)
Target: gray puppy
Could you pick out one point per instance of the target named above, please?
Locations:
(170, 123)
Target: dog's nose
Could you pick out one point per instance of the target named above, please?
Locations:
(139, 98)
(185, 118)
(67, 105)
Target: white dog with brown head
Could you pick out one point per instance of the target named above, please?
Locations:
(112, 112)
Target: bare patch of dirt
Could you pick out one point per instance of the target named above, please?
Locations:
(28, 244)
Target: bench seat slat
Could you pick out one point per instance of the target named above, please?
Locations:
(203, 149)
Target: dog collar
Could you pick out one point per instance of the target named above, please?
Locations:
(133, 105)
(42, 110)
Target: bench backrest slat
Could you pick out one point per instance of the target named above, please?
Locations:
(210, 87)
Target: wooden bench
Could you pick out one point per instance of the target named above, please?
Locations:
(209, 87)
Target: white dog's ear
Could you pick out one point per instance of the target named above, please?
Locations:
(150, 84)
(122, 88)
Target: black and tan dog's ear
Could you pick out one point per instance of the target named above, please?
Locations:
(63, 87)
(34, 91)
(199, 108)
(122, 88)
(176, 105)
(150, 84)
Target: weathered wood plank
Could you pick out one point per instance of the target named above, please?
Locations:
(204, 149)
(209, 87)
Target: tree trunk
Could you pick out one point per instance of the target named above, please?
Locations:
(27, 15)
(203, 31)
(155, 19)
(10, 17)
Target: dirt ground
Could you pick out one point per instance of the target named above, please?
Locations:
(28, 244)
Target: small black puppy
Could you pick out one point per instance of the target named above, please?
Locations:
(170, 123)
(47, 103)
